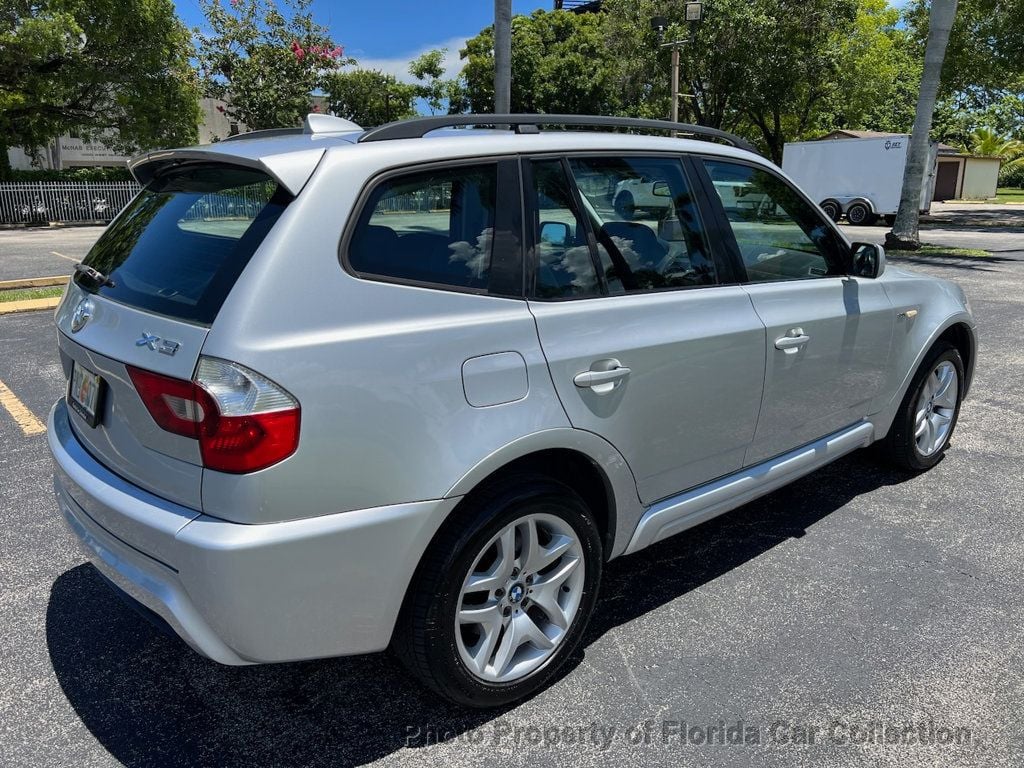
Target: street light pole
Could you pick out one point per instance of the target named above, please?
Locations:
(694, 10)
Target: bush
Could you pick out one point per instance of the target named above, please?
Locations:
(71, 174)
(1012, 176)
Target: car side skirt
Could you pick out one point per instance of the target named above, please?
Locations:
(678, 513)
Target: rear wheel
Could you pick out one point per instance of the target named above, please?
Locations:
(928, 414)
(503, 595)
(860, 215)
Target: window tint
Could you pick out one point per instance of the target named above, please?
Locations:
(780, 235)
(179, 246)
(565, 267)
(434, 226)
(648, 229)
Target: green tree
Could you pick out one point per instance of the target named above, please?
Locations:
(559, 64)
(369, 97)
(263, 62)
(879, 68)
(117, 67)
(441, 93)
(905, 232)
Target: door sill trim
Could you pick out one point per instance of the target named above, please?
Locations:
(677, 513)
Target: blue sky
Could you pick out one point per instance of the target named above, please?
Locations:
(387, 34)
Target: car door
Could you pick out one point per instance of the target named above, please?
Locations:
(828, 333)
(650, 341)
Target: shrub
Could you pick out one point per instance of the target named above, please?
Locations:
(71, 174)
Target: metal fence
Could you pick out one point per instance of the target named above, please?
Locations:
(41, 202)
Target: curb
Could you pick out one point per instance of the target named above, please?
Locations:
(33, 282)
(28, 305)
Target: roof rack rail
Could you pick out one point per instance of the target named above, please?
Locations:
(416, 128)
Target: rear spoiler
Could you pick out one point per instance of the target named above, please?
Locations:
(289, 169)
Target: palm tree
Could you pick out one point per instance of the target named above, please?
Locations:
(905, 230)
(985, 141)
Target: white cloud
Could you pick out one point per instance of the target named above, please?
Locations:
(399, 65)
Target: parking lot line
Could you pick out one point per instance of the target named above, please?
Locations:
(25, 419)
(69, 258)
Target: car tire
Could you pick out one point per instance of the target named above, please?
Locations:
(832, 209)
(456, 659)
(625, 206)
(859, 215)
(927, 417)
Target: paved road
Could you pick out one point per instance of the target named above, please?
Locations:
(857, 595)
(991, 227)
(44, 251)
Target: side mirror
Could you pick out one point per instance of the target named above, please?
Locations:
(555, 232)
(868, 260)
(660, 189)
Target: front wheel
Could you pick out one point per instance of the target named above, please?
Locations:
(928, 414)
(625, 206)
(503, 594)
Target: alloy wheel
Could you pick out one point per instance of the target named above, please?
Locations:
(520, 598)
(935, 409)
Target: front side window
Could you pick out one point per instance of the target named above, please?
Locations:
(648, 230)
(434, 226)
(779, 234)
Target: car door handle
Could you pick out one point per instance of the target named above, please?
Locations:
(596, 379)
(795, 337)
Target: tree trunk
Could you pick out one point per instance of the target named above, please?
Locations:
(905, 233)
(5, 162)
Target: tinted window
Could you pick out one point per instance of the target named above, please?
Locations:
(648, 229)
(565, 266)
(433, 226)
(179, 246)
(779, 234)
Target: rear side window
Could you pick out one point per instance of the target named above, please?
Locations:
(179, 246)
(434, 227)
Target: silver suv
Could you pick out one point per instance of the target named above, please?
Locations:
(333, 390)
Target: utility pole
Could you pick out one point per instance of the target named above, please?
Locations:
(502, 56)
(675, 83)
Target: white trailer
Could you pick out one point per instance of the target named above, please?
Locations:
(861, 178)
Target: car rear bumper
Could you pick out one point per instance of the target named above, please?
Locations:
(243, 594)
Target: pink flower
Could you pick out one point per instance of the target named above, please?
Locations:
(297, 50)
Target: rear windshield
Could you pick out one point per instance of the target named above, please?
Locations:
(179, 246)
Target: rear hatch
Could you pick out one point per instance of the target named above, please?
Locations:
(157, 278)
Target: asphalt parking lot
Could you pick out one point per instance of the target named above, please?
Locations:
(856, 603)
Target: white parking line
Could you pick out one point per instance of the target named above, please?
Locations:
(69, 258)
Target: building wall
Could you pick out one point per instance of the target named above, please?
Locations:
(981, 176)
(214, 124)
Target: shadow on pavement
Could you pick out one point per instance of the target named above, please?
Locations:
(149, 700)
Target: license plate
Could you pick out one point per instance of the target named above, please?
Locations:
(85, 394)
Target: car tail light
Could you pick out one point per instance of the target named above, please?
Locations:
(242, 420)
